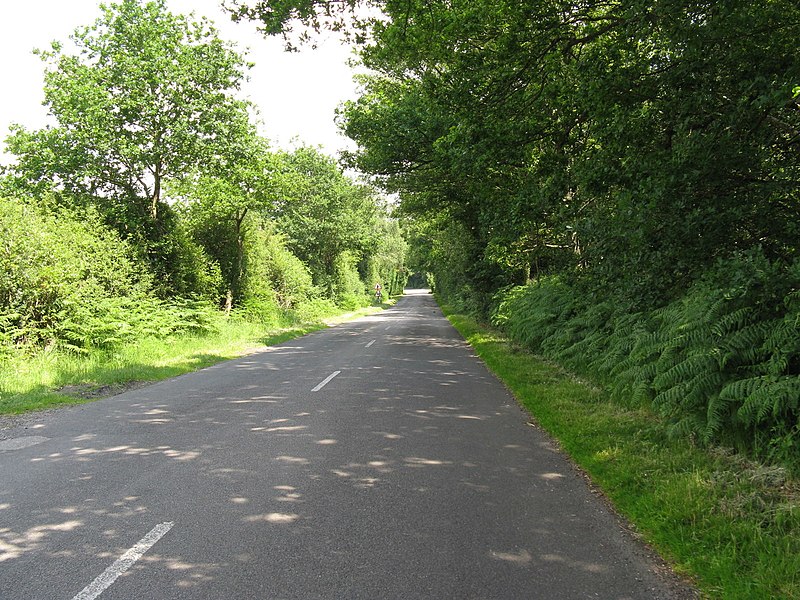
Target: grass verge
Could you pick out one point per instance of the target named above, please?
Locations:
(52, 378)
(730, 525)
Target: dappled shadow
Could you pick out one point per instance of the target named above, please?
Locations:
(14, 544)
(309, 465)
(354, 492)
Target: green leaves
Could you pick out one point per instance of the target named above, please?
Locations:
(721, 364)
(57, 274)
(153, 185)
(149, 95)
(644, 152)
(277, 16)
(643, 140)
(146, 98)
(324, 214)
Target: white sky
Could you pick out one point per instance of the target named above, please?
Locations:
(296, 93)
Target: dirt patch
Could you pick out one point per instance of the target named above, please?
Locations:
(23, 421)
(89, 391)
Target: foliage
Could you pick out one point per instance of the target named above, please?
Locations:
(722, 363)
(348, 290)
(387, 266)
(287, 276)
(218, 207)
(636, 141)
(74, 284)
(329, 221)
(146, 98)
(276, 16)
(643, 153)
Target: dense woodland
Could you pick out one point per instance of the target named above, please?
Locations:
(153, 204)
(614, 183)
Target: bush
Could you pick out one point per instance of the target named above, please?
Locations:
(315, 309)
(264, 311)
(348, 289)
(54, 268)
(272, 266)
(722, 363)
(75, 284)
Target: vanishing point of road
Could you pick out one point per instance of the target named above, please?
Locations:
(376, 459)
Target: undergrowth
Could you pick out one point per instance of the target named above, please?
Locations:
(729, 523)
(36, 378)
(720, 365)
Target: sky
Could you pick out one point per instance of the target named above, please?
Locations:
(296, 93)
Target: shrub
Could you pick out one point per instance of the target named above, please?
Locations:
(315, 309)
(75, 284)
(722, 363)
(348, 289)
(272, 265)
(54, 268)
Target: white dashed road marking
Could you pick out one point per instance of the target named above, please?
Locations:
(325, 382)
(123, 563)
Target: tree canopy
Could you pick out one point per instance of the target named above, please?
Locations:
(633, 164)
(324, 214)
(619, 137)
(145, 98)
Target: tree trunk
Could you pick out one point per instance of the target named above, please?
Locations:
(156, 194)
(228, 302)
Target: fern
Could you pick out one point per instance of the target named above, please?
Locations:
(732, 321)
(717, 416)
(768, 397)
(782, 345)
(684, 371)
(669, 400)
(745, 346)
(686, 425)
(720, 363)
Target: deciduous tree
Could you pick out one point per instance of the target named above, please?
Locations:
(141, 97)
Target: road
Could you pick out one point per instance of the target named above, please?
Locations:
(375, 459)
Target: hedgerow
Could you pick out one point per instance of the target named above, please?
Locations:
(74, 284)
(721, 364)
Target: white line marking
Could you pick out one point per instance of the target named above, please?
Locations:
(372, 342)
(123, 563)
(325, 381)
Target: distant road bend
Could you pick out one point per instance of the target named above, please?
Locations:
(376, 459)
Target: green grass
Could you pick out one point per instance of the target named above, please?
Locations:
(32, 382)
(730, 525)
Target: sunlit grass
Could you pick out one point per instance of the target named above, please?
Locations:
(731, 525)
(33, 382)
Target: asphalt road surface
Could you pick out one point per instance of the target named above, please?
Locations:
(376, 459)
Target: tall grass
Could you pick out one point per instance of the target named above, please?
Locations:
(51, 376)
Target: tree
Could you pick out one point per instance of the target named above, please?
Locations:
(636, 141)
(325, 215)
(217, 206)
(277, 16)
(146, 98)
(643, 151)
